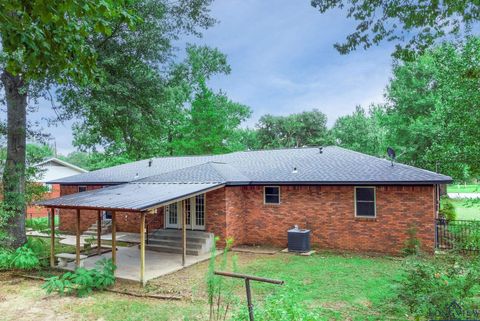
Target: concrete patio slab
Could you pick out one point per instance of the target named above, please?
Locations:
(156, 263)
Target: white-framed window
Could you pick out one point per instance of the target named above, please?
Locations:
(271, 194)
(365, 201)
(82, 188)
(49, 187)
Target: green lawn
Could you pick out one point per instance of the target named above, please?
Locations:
(460, 188)
(337, 287)
(466, 209)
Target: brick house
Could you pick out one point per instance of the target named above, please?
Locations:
(51, 169)
(350, 201)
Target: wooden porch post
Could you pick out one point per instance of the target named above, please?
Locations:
(77, 243)
(99, 232)
(142, 248)
(52, 237)
(184, 233)
(114, 238)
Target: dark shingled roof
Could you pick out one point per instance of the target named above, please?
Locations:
(334, 165)
(144, 185)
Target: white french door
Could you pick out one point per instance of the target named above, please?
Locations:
(194, 208)
(171, 216)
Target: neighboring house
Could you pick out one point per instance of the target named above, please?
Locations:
(52, 169)
(350, 201)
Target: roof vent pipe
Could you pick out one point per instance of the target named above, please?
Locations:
(294, 170)
(150, 163)
(320, 150)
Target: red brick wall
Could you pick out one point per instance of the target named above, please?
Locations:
(329, 212)
(216, 214)
(39, 211)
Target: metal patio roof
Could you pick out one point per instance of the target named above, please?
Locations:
(131, 197)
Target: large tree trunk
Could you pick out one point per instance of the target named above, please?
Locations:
(14, 171)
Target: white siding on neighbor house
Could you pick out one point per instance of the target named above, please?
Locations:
(53, 170)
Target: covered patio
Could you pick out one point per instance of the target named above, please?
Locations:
(133, 263)
(156, 263)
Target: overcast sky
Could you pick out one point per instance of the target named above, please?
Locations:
(283, 61)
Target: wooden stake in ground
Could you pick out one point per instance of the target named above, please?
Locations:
(247, 279)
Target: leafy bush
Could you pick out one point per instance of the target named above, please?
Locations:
(447, 210)
(23, 258)
(40, 224)
(83, 281)
(281, 306)
(5, 259)
(429, 286)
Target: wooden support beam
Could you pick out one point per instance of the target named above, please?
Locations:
(52, 237)
(142, 248)
(114, 238)
(184, 232)
(77, 241)
(99, 232)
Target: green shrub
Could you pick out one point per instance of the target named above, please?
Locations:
(447, 210)
(83, 281)
(23, 258)
(5, 259)
(281, 306)
(429, 286)
(40, 224)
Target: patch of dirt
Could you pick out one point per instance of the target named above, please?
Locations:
(190, 282)
(23, 301)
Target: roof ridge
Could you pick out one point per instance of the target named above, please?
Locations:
(388, 161)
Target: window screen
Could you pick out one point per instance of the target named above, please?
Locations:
(272, 195)
(82, 189)
(365, 201)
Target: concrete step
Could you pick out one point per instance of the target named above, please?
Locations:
(196, 246)
(178, 239)
(171, 249)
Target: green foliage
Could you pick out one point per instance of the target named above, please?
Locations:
(23, 258)
(412, 244)
(140, 105)
(447, 210)
(211, 123)
(361, 131)
(308, 128)
(429, 286)
(413, 25)
(434, 107)
(40, 224)
(83, 281)
(50, 39)
(465, 235)
(219, 289)
(283, 305)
